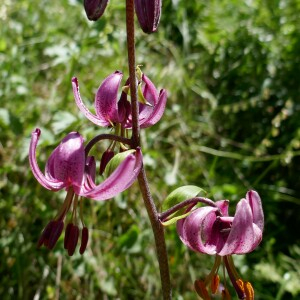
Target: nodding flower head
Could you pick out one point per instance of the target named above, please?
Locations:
(110, 111)
(210, 230)
(69, 168)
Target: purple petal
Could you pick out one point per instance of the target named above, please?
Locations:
(95, 119)
(244, 235)
(106, 100)
(158, 110)
(50, 184)
(223, 206)
(121, 179)
(193, 228)
(255, 203)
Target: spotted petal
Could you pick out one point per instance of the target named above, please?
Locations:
(121, 179)
(244, 235)
(47, 182)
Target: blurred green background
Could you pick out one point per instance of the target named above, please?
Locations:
(232, 123)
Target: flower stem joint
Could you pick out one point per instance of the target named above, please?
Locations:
(212, 231)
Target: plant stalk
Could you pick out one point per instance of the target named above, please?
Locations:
(157, 228)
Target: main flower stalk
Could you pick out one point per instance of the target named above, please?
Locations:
(157, 228)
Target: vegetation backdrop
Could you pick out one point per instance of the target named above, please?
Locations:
(232, 123)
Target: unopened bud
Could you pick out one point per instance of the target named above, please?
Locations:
(148, 13)
(94, 8)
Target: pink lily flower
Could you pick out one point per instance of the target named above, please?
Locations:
(68, 168)
(110, 110)
(212, 231)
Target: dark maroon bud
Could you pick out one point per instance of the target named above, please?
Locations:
(45, 234)
(73, 240)
(84, 239)
(94, 8)
(106, 157)
(56, 231)
(148, 13)
(67, 235)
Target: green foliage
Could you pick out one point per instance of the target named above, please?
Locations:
(231, 69)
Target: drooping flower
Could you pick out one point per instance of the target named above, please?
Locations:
(94, 8)
(67, 167)
(148, 13)
(212, 231)
(111, 111)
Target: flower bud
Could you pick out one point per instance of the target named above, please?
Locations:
(148, 13)
(94, 8)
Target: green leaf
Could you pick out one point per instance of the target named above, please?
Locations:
(180, 194)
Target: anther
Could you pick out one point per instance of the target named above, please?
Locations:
(84, 239)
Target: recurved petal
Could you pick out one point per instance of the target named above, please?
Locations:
(196, 227)
(50, 184)
(121, 179)
(69, 160)
(106, 100)
(244, 235)
(255, 203)
(93, 118)
(223, 206)
(158, 110)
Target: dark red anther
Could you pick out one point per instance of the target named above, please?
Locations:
(67, 234)
(56, 231)
(106, 157)
(44, 238)
(84, 239)
(73, 239)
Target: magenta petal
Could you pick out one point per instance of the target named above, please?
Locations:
(121, 179)
(244, 235)
(50, 184)
(158, 110)
(255, 203)
(106, 100)
(223, 206)
(192, 230)
(69, 160)
(95, 119)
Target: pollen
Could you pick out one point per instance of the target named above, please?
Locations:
(201, 289)
(215, 283)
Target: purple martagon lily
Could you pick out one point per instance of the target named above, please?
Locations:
(110, 110)
(210, 230)
(68, 168)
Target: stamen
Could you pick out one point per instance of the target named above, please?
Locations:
(67, 235)
(45, 234)
(84, 239)
(201, 289)
(215, 283)
(56, 231)
(72, 240)
(225, 295)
